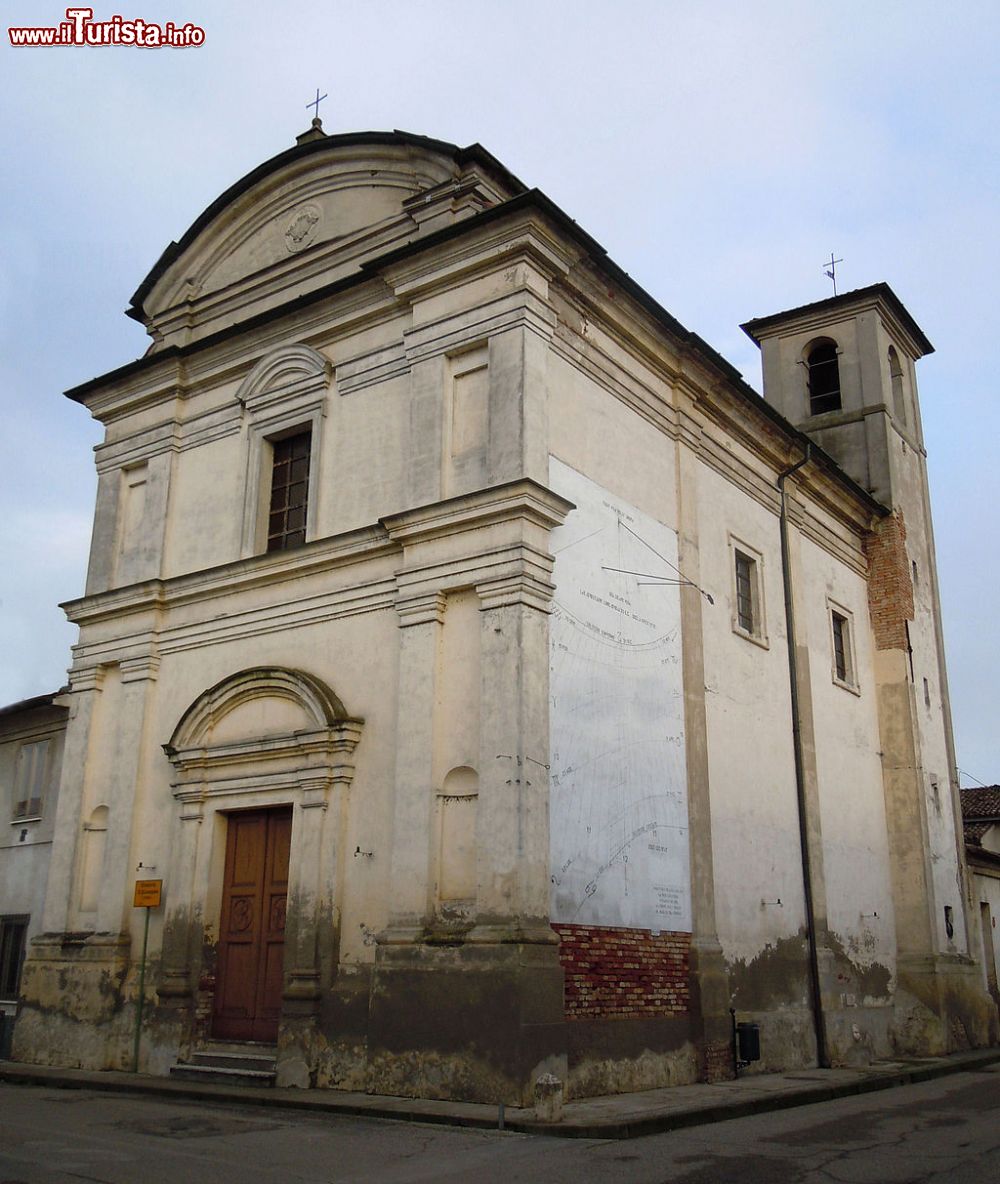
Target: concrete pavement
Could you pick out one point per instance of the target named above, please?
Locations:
(618, 1116)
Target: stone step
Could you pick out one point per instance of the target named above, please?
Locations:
(213, 1075)
(233, 1060)
(229, 1063)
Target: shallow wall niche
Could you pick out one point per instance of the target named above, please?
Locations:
(95, 839)
(457, 802)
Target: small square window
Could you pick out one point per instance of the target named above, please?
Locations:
(13, 932)
(748, 602)
(30, 779)
(841, 633)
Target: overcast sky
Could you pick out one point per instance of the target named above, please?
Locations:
(719, 151)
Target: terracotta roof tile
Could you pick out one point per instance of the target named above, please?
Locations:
(974, 832)
(981, 802)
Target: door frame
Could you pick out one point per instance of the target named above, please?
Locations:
(309, 767)
(267, 812)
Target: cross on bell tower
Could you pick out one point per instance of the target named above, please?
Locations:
(829, 267)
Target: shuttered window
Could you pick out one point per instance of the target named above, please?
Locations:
(30, 779)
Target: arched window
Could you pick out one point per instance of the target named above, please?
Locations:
(824, 378)
(896, 378)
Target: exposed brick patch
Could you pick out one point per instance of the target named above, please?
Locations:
(719, 1064)
(623, 973)
(890, 588)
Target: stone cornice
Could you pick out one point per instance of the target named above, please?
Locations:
(520, 235)
(240, 575)
(520, 499)
(878, 298)
(310, 768)
(514, 572)
(501, 531)
(323, 748)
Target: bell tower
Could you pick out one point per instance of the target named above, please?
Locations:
(843, 371)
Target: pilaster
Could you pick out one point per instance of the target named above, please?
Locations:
(127, 733)
(518, 415)
(183, 923)
(513, 822)
(434, 981)
(85, 692)
(420, 620)
(709, 978)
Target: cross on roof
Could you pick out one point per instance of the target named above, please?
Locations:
(316, 102)
(831, 263)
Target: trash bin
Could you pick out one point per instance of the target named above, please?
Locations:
(748, 1042)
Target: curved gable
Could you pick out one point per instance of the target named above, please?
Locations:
(257, 702)
(307, 218)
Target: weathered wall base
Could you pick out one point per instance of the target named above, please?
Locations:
(482, 1021)
(627, 1003)
(341, 1045)
(73, 1013)
(941, 1006)
(772, 990)
(473, 1022)
(622, 1056)
(858, 1034)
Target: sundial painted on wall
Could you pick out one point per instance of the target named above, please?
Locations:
(617, 779)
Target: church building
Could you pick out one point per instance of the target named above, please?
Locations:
(494, 683)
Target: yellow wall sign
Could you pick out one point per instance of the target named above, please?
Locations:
(147, 894)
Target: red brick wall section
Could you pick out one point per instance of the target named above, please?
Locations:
(623, 973)
(890, 589)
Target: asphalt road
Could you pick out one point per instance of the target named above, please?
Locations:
(944, 1130)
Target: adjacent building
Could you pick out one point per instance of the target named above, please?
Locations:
(31, 738)
(496, 683)
(981, 814)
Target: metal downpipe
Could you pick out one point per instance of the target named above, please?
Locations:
(819, 1020)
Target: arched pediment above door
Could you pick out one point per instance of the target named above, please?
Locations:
(264, 727)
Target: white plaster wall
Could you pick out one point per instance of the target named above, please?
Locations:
(751, 764)
(206, 506)
(23, 870)
(600, 436)
(365, 439)
(618, 790)
(848, 765)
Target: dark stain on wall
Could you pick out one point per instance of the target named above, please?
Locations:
(778, 975)
(863, 982)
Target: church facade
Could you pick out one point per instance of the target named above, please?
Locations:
(497, 685)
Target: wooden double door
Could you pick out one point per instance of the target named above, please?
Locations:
(251, 951)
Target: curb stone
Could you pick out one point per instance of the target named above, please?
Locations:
(665, 1109)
